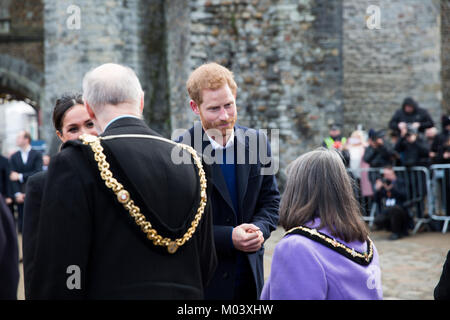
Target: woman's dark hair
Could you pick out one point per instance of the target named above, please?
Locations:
(63, 104)
(318, 186)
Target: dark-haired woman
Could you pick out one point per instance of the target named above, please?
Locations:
(70, 120)
(326, 253)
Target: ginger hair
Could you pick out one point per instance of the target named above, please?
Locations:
(209, 76)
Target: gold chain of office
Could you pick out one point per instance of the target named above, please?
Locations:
(123, 196)
(366, 256)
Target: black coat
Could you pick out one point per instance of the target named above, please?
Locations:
(34, 188)
(398, 192)
(5, 183)
(438, 146)
(440, 156)
(379, 157)
(413, 154)
(9, 254)
(418, 115)
(442, 290)
(33, 165)
(84, 230)
(258, 200)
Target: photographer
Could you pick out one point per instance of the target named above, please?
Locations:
(412, 148)
(379, 153)
(411, 114)
(413, 152)
(390, 192)
(438, 146)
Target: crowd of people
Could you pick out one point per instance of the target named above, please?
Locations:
(410, 140)
(116, 215)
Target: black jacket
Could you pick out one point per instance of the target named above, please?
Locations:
(82, 225)
(398, 192)
(379, 157)
(258, 201)
(9, 254)
(440, 156)
(438, 146)
(5, 183)
(33, 165)
(413, 154)
(418, 115)
(34, 188)
(442, 290)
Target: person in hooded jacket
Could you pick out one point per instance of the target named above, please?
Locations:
(411, 116)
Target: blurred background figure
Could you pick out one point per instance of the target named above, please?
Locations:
(438, 146)
(390, 192)
(355, 147)
(9, 254)
(337, 142)
(412, 148)
(378, 153)
(335, 139)
(411, 116)
(5, 183)
(24, 163)
(45, 162)
(430, 137)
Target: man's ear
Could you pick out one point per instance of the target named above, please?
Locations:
(141, 107)
(89, 110)
(194, 107)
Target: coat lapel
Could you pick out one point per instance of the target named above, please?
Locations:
(242, 169)
(216, 172)
(29, 159)
(219, 183)
(19, 161)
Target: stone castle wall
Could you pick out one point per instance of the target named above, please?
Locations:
(382, 67)
(300, 65)
(303, 65)
(445, 54)
(285, 56)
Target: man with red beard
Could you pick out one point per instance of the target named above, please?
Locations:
(245, 197)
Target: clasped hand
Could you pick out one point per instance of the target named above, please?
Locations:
(247, 238)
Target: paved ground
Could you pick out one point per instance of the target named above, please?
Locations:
(410, 267)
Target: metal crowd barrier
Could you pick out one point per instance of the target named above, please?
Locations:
(441, 190)
(418, 193)
(420, 183)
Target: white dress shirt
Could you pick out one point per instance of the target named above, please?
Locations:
(215, 145)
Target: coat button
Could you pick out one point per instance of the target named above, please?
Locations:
(228, 220)
(225, 275)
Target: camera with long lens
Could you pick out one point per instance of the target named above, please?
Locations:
(386, 181)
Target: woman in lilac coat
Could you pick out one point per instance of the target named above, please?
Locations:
(326, 253)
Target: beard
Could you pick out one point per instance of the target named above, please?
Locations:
(220, 131)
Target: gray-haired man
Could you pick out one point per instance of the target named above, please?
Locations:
(117, 225)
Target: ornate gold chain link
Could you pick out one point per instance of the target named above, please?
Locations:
(123, 196)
